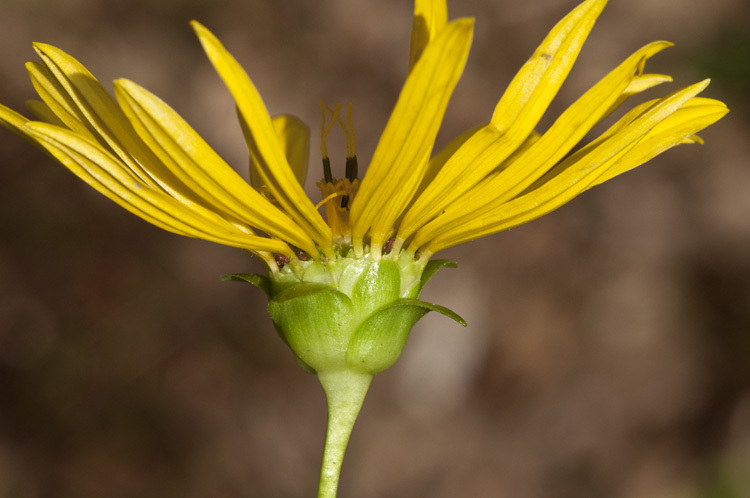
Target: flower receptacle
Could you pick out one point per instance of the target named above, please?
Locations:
(350, 313)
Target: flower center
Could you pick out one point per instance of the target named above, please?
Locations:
(337, 193)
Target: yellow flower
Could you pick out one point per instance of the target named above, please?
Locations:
(140, 153)
(344, 289)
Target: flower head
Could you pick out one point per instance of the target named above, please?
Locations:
(380, 231)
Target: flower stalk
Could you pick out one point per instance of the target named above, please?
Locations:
(345, 392)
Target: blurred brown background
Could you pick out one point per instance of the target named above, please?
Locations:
(608, 347)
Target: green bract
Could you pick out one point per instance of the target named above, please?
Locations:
(350, 313)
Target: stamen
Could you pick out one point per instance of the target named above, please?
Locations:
(337, 212)
(324, 130)
(351, 149)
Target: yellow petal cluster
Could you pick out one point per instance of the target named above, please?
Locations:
(136, 150)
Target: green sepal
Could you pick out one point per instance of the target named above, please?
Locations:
(435, 307)
(378, 285)
(432, 268)
(315, 321)
(261, 282)
(378, 341)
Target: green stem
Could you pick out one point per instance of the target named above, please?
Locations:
(345, 391)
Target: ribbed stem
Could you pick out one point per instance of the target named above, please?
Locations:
(345, 391)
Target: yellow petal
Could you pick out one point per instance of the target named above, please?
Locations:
(515, 116)
(85, 107)
(13, 121)
(488, 148)
(536, 84)
(640, 83)
(401, 156)
(679, 128)
(97, 110)
(694, 139)
(42, 112)
(584, 173)
(438, 160)
(101, 170)
(430, 17)
(55, 96)
(294, 136)
(623, 122)
(197, 166)
(77, 98)
(265, 146)
(563, 135)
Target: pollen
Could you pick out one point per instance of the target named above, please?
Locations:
(337, 194)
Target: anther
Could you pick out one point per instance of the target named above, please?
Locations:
(351, 171)
(351, 167)
(351, 146)
(281, 260)
(388, 247)
(327, 170)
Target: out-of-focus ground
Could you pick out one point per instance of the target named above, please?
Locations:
(608, 347)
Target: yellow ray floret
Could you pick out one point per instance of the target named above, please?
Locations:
(515, 116)
(203, 171)
(85, 107)
(42, 112)
(140, 153)
(402, 153)
(265, 148)
(101, 170)
(663, 124)
(519, 172)
(144, 140)
(430, 17)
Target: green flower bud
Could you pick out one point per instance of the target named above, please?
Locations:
(349, 314)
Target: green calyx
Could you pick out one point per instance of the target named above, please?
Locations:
(348, 314)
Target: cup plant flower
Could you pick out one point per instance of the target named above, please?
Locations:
(343, 285)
